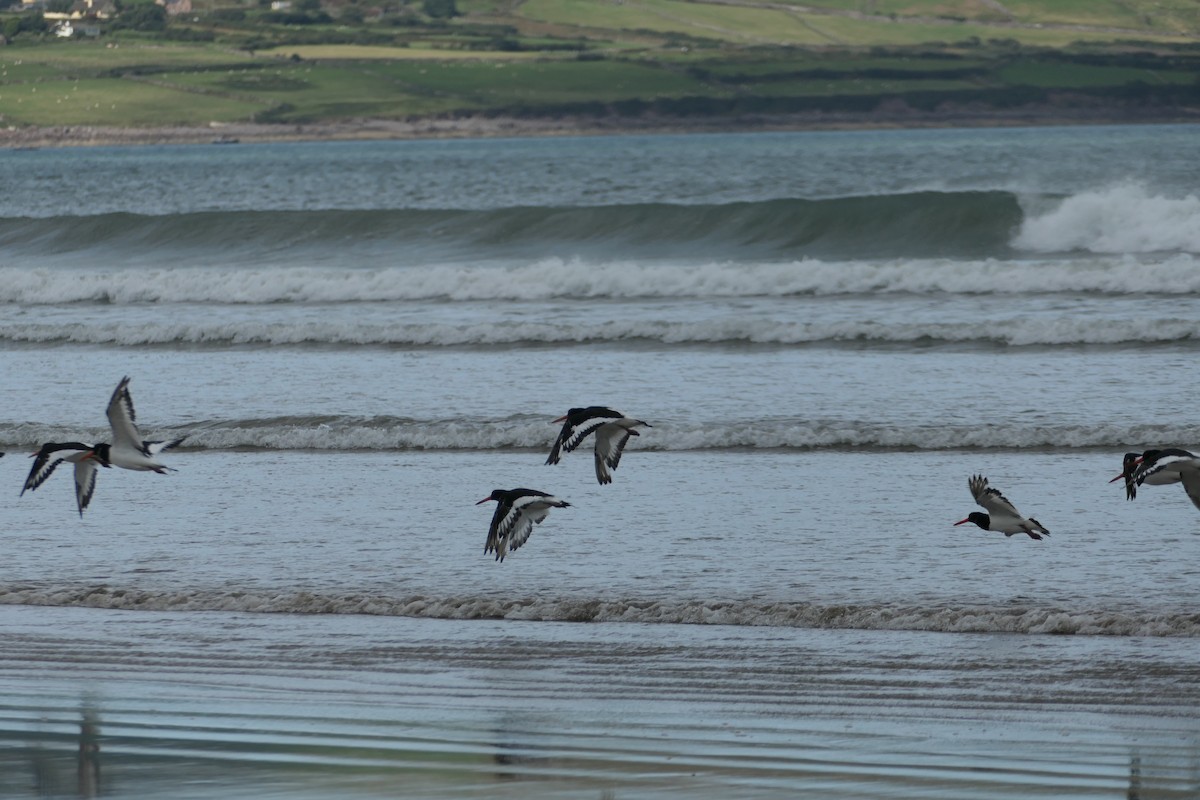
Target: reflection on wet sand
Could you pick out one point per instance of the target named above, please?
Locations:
(317, 707)
(1163, 776)
(50, 769)
(88, 769)
(61, 758)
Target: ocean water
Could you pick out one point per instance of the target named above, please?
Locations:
(828, 332)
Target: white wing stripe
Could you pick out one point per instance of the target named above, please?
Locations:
(582, 432)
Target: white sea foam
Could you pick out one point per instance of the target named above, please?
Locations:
(1115, 219)
(957, 619)
(503, 434)
(1090, 329)
(587, 279)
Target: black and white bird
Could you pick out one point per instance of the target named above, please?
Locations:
(612, 429)
(517, 511)
(1002, 515)
(1130, 465)
(1161, 467)
(85, 457)
(128, 449)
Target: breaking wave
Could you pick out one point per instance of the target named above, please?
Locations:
(555, 278)
(1123, 219)
(916, 223)
(1117, 219)
(1088, 329)
(526, 432)
(897, 617)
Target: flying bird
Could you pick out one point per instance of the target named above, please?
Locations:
(1002, 515)
(1130, 467)
(612, 429)
(517, 511)
(1160, 467)
(128, 449)
(85, 457)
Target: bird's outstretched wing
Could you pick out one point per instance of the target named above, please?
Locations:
(122, 418)
(577, 427)
(85, 483)
(1129, 466)
(1191, 485)
(996, 504)
(47, 459)
(498, 529)
(154, 448)
(1171, 460)
(610, 443)
(522, 519)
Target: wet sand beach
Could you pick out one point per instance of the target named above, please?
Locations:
(101, 703)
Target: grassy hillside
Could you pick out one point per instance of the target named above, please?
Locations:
(338, 60)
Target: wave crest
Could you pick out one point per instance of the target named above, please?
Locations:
(899, 617)
(1021, 332)
(1116, 219)
(870, 225)
(524, 432)
(555, 278)
(957, 225)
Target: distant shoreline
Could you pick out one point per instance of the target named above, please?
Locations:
(480, 127)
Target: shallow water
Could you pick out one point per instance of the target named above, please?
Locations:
(863, 539)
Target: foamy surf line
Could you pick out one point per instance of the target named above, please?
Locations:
(893, 617)
(1030, 331)
(384, 434)
(587, 279)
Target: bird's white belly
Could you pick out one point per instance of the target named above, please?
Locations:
(128, 458)
(1007, 524)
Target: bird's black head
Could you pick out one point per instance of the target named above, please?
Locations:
(978, 517)
(100, 452)
(572, 417)
(497, 495)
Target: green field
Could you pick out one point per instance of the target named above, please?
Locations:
(238, 61)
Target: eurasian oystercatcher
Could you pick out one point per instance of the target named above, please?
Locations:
(1002, 515)
(1160, 467)
(612, 429)
(128, 449)
(1129, 471)
(85, 457)
(518, 510)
